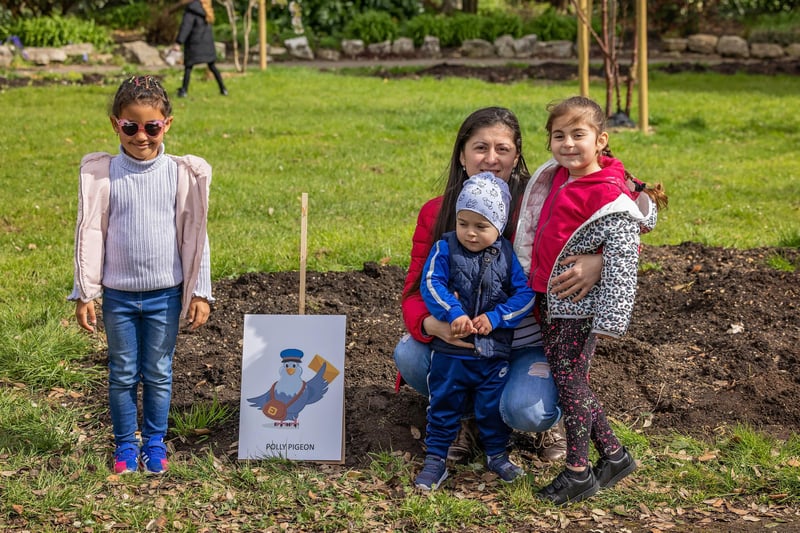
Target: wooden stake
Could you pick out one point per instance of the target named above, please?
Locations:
(585, 7)
(641, 29)
(262, 33)
(303, 252)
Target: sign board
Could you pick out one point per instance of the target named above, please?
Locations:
(292, 399)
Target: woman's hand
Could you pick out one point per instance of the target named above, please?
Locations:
(440, 329)
(461, 327)
(580, 278)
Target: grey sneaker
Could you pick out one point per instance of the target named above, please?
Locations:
(551, 445)
(501, 465)
(434, 472)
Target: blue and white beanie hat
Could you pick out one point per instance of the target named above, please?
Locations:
(487, 195)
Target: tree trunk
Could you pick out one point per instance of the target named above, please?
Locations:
(231, 10)
(469, 6)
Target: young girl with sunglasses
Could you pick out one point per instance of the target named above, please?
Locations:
(141, 244)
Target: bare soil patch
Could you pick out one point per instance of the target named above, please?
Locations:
(714, 342)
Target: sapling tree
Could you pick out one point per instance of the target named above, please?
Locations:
(610, 42)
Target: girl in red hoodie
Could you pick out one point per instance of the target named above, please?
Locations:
(589, 209)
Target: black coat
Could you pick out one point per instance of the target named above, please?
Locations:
(196, 36)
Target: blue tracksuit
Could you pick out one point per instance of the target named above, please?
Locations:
(492, 282)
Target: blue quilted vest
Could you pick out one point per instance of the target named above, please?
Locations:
(482, 282)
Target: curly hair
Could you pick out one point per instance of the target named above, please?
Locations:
(145, 90)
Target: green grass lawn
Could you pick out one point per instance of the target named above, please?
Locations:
(368, 152)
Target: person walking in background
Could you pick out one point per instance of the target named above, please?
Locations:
(589, 208)
(473, 281)
(141, 243)
(197, 37)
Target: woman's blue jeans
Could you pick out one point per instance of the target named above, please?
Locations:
(142, 329)
(530, 398)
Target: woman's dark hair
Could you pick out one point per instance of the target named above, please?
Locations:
(457, 175)
(145, 90)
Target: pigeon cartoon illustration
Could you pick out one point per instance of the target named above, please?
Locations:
(288, 396)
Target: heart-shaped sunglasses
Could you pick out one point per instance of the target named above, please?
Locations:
(151, 128)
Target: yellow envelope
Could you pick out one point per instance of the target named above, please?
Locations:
(330, 371)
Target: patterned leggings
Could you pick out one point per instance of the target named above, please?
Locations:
(569, 345)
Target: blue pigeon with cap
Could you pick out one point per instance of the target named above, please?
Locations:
(284, 400)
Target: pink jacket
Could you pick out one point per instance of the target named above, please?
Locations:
(194, 181)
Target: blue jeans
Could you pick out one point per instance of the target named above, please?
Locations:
(530, 398)
(142, 329)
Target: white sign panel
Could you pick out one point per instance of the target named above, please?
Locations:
(292, 403)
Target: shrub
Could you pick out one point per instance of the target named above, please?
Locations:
(419, 27)
(329, 42)
(371, 27)
(329, 17)
(125, 17)
(748, 8)
(162, 28)
(463, 26)
(58, 31)
(781, 28)
(552, 26)
(497, 23)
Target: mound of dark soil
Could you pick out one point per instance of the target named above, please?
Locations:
(714, 342)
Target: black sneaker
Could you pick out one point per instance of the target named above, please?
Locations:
(566, 489)
(608, 472)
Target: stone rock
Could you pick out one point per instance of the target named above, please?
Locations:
(6, 55)
(352, 47)
(141, 53)
(381, 49)
(766, 50)
(477, 48)
(82, 50)
(504, 46)
(702, 43)
(329, 54)
(430, 47)
(275, 51)
(732, 46)
(674, 44)
(793, 50)
(172, 56)
(221, 50)
(403, 46)
(554, 49)
(525, 45)
(44, 55)
(102, 59)
(299, 48)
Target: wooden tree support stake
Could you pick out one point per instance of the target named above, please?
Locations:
(303, 249)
